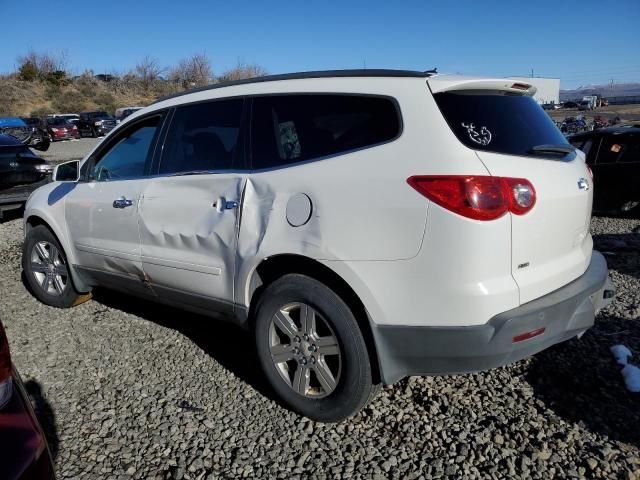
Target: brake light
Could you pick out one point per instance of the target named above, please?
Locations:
(479, 197)
(6, 382)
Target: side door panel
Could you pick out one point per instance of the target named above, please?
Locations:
(101, 211)
(189, 211)
(188, 237)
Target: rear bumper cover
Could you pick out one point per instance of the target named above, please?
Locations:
(564, 313)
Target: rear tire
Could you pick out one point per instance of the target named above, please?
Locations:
(311, 349)
(46, 270)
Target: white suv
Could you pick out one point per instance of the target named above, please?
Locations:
(366, 225)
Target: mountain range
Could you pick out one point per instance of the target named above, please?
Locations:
(606, 90)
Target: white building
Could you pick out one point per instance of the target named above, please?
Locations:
(548, 88)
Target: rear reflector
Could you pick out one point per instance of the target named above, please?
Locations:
(527, 335)
(477, 196)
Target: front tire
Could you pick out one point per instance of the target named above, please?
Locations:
(312, 350)
(46, 270)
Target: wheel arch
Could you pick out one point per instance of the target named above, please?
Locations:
(34, 220)
(274, 267)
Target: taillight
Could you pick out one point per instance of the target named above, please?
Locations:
(590, 172)
(6, 382)
(478, 197)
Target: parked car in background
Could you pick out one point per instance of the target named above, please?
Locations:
(23, 445)
(124, 112)
(40, 138)
(570, 105)
(61, 129)
(613, 154)
(17, 128)
(550, 106)
(95, 124)
(71, 117)
(476, 254)
(21, 172)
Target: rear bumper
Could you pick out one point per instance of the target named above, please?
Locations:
(563, 314)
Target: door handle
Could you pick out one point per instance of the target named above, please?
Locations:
(122, 203)
(223, 204)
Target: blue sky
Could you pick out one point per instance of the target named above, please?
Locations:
(581, 42)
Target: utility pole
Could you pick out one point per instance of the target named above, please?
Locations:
(532, 73)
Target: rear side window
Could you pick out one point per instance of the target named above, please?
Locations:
(620, 149)
(203, 137)
(510, 124)
(583, 144)
(288, 129)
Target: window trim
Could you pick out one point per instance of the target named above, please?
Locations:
(251, 98)
(241, 147)
(114, 138)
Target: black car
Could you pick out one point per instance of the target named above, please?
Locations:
(21, 172)
(614, 157)
(40, 139)
(23, 445)
(95, 124)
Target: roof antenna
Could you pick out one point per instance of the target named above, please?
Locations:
(433, 71)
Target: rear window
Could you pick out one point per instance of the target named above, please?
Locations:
(510, 124)
(287, 129)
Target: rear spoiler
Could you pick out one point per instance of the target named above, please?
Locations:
(445, 83)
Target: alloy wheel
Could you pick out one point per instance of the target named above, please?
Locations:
(48, 268)
(305, 350)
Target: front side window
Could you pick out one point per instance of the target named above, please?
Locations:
(288, 129)
(128, 155)
(203, 137)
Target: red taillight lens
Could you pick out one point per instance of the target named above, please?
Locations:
(590, 172)
(476, 196)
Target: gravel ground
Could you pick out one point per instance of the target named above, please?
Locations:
(127, 389)
(68, 150)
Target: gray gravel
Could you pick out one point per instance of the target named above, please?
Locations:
(132, 390)
(68, 150)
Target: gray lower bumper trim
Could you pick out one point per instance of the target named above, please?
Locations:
(564, 313)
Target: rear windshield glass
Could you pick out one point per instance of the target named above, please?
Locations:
(510, 124)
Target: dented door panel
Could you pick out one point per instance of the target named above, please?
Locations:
(188, 237)
(105, 238)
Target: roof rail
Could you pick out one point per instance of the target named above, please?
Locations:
(313, 74)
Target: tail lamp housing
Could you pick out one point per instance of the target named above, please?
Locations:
(479, 197)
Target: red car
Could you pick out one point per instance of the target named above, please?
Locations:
(23, 446)
(61, 129)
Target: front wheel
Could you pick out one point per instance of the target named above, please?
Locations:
(312, 350)
(46, 270)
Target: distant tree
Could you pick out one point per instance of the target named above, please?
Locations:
(193, 71)
(242, 71)
(28, 72)
(149, 71)
(42, 66)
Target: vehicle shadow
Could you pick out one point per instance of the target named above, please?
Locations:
(219, 339)
(621, 251)
(575, 379)
(45, 414)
